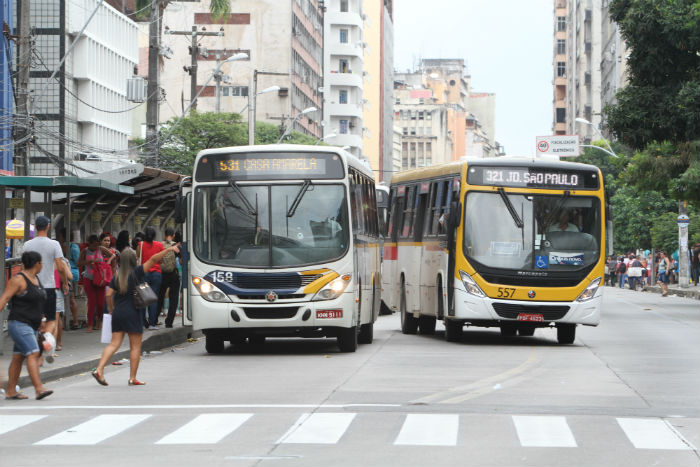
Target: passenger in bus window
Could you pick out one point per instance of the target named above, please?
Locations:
(564, 225)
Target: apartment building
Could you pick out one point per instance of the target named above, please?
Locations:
(284, 44)
(6, 95)
(343, 71)
(82, 114)
(613, 62)
(560, 67)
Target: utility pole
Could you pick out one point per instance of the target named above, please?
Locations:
(194, 53)
(153, 95)
(23, 130)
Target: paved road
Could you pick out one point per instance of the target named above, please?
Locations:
(624, 394)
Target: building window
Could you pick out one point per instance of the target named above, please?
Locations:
(561, 46)
(343, 66)
(344, 5)
(561, 115)
(343, 36)
(420, 115)
(224, 90)
(241, 91)
(561, 69)
(561, 23)
(343, 96)
(343, 127)
(405, 132)
(428, 115)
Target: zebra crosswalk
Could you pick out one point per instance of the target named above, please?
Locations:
(331, 428)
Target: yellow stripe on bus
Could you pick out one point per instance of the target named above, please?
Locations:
(319, 283)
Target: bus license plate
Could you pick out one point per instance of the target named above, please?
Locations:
(531, 317)
(321, 314)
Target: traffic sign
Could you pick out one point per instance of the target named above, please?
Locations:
(558, 145)
(683, 220)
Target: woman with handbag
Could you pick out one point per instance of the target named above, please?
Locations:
(126, 290)
(92, 259)
(147, 248)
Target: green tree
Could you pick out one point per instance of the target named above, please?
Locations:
(664, 232)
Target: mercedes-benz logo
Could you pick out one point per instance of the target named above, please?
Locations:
(531, 294)
(271, 296)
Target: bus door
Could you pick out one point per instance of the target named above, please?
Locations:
(453, 221)
(390, 277)
(183, 216)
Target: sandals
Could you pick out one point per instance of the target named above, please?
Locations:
(136, 382)
(18, 396)
(99, 378)
(43, 394)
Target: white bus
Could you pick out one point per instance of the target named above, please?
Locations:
(280, 241)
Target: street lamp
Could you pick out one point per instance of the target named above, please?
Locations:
(254, 96)
(289, 128)
(611, 152)
(232, 58)
(332, 135)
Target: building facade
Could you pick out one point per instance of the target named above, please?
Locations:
(6, 94)
(284, 44)
(613, 63)
(560, 67)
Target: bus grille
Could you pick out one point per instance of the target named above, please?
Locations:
(284, 312)
(293, 296)
(273, 281)
(548, 312)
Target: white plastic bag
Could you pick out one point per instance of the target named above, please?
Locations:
(106, 337)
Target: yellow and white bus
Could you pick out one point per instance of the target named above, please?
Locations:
(509, 242)
(280, 240)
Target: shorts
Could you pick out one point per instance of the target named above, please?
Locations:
(663, 277)
(49, 309)
(60, 301)
(24, 336)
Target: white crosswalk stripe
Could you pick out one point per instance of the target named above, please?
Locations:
(95, 430)
(12, 422)
(645, 433)
(318, 428)
(429, 430)
(544, 431)
(206, 429)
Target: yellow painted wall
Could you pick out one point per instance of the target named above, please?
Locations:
(372, 83)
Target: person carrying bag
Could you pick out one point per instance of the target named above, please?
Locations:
(128, 293)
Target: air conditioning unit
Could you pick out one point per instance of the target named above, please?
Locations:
(136, 89)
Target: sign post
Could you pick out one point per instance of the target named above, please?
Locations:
(558, 145)
(683, 266)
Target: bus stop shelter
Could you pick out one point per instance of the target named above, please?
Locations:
(47, 189)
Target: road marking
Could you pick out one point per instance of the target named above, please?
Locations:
(544, 431)
(95, 430)
(206, 429)
(318, 428)
(200, 406)
(645, 433)
(429, 430)
(12, 422)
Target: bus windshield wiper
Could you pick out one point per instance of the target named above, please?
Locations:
(251, 210)
(513, 213)
(553, 213)
(297, 199)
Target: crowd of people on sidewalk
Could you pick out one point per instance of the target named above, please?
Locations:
(109, 270)
(636, 269)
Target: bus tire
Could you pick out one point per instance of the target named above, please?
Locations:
(366, 335)
(566, 333)
(347, 339)
(426, 324)
(384, 310)
(508, 330)
(214, 344)
(453, 330)
(409, 324)
(526, 330)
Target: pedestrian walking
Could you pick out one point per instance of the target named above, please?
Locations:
(171, 280)
(147, 248)
(122, 240)
(89, 258)
(72, 252)
(27, 297)
(51, 254)
(663, 267)
(622, 271)
(126, 319)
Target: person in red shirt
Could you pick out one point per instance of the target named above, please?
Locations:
(147, 248)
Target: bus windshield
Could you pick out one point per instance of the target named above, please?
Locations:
(529, 232)
(270, 225)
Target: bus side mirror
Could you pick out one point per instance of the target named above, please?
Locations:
(180, 209)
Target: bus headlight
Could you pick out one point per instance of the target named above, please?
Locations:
(590, 291)
(334, 288)
(209, 291)
(470, 285)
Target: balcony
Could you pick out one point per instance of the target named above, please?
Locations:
(348, 139)
(343, 18)
(349, 50)
(343, 110)
(336, 78)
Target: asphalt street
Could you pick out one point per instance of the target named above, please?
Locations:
(625, 394)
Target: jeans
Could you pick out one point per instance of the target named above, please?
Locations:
(154, 279)
(623, 278)
(24, 337)
(171, 281)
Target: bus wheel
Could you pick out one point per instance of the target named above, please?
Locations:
(347, 339)
(214, 344)
(427, 324)
(508, 330)
(526, 330)
(409, 324)
(566, 333)
(384, 310)
(453, 330)
(366, 333)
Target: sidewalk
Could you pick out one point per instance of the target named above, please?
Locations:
(81, 352)
(692, 291)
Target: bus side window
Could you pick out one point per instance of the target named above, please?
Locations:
(419, 217)
(374, 213)
(355, 204)
(396, 208)
(442, 208)
(408, 209)
(428, 223)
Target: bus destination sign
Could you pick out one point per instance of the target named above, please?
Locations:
(532, 177)
(269, 166)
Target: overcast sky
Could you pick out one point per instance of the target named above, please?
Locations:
(507, 47)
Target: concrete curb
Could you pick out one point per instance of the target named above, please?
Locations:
(687, 293)
(161, 340)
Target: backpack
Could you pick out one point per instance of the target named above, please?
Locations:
(621, 268)
(101, 274)
(168, 263)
